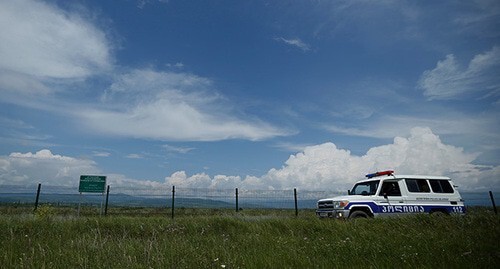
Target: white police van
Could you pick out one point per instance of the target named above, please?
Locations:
(386, 194)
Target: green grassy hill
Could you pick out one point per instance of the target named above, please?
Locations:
(249, 239)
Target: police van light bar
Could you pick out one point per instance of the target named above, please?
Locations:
(383, 173)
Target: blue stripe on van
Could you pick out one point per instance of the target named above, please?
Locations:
(382, 209)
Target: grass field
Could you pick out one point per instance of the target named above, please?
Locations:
(248, 239)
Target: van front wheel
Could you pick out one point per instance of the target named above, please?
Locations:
(358, 214)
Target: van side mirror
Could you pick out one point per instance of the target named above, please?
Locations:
(348, 192)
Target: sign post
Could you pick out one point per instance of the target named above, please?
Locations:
(93, 184)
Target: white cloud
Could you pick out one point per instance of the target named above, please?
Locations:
(295, 43)
(44, 167)
(182, 150)
(165, 120)
(134, 156)
(180, 178)
(388, 22)
(449, 123)
(480, 18)
(170, 106)
(141, 85)
(46, 51)
(449, 80)
(101, 153)
(9, 123)
(178, 65)
(373, 22)
(319, 167)
(55, 170)
(286, 146)
(22, 84)
(482, 129)
(325, 166)
(41, 40)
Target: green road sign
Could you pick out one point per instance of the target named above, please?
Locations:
(92, 184)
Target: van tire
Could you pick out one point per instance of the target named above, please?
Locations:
(438, 213)
(358, 214)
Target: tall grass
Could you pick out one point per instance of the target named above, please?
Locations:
(249, 240)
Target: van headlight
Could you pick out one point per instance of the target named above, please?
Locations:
(340, 204)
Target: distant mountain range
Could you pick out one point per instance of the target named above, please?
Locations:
(471, 199)
(131, 200)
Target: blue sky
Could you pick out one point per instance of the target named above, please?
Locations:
(257, 94)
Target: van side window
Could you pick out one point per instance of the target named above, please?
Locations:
(417, 185)
(441, 186)
(390, 188)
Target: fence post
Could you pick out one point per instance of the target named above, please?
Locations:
(173, 199)
(493, 202)
(37, 196)
(237, 208)
(106, 206)
(295, 198)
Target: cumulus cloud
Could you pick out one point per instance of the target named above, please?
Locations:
(41, 40)
(326, 166)
(449, 80)
(44, 167)
(170, 106)
(56, 170)
(318, 167)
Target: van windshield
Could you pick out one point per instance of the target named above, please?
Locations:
(365, 188)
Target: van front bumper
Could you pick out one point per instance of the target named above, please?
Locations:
(334, 213)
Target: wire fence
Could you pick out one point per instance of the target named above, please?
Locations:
(169, 197)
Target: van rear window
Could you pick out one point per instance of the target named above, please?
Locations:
(417, 185)
(441, 186)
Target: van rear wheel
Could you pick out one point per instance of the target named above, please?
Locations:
(438, 213)
(358, 214)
